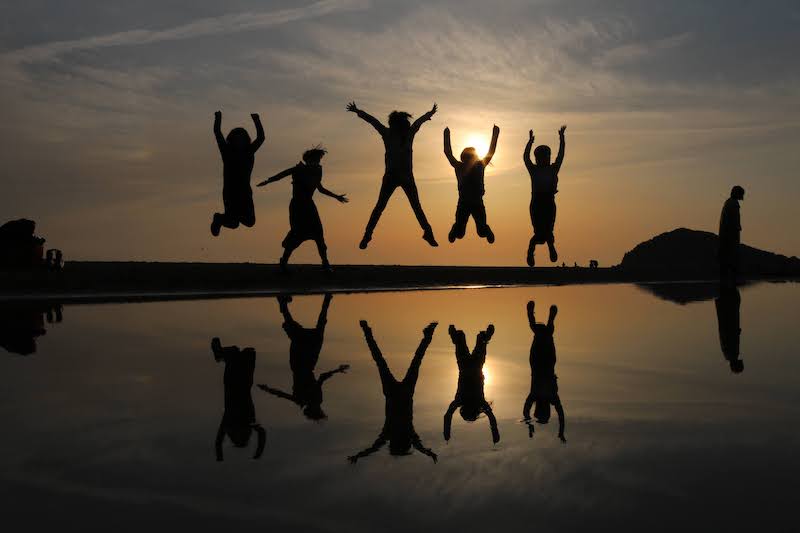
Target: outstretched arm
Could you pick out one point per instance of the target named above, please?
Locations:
(422, 449)
(279, 393)
(377, 445)
(561, 145)
(423, 119)
(448, 418)
(363, 115)
(277, 177)
(327, 375)
(492, 422)
(448, 149)
(341, 197)
(526, 156)
(218, 131)
(493, 145)
(256, 144)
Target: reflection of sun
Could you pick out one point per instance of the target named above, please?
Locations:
(479, 142)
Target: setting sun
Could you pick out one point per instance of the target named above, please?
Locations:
(479, 142)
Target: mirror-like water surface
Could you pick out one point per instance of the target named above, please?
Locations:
(596, 407)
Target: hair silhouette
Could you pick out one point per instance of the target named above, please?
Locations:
(730, 230)
(728, 304)
(239, 418)
(398, 140)
(470, 177)
(544, 384)
(238, 158)
(304, 221)
(304, 348)
(544, 186)
(398, 428)
(469, 399)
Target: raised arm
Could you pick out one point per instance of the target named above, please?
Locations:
(377, 445)
(561, 420)
(341, 197)
(277, 177)
(531, 317)
(322, 319)
(363, 115)
(218, 131)
(448, 418)
(492, 422)
(561, 145)
(526, 156)
(448, 150)
(256, 144)
(423, 119)
(493, 145)
(218, 440)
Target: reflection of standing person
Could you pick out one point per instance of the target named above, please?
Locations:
(239, 418)
(470, 396)
(730, 230)
(544, 383)
(398, 428)
(304, 348)
(728, 304)
(469, 175)
(398, 140)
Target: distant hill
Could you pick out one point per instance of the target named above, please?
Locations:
(686, 253)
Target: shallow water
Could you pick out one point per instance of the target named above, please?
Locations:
(112, 422)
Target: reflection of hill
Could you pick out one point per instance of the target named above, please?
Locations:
(21, 323)
(682, 292)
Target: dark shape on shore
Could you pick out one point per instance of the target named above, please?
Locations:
(470, 399)
(690, 255)
(730, 231)
(544, 384)
(398, 428)
(304, 221)
(398, 140)
(469, 175)
(728, 304)
(19, 247)
(544, 186)
(238, 158)
(239, 418)
(304, 348)
(21, 323)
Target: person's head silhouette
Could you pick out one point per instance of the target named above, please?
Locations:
(400, 121)
(239, 139)
(314, 156)
(469, 155)
(542, 155)
(737, 192)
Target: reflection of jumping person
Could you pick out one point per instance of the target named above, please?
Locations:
(730, 231)
(398, 429)
(728, 304)
(304, 221)
(469, 174)
(544, 186)
(544, 384)
(239, 419)
(238, 157)
(304, 348)
(398, 139)
(470, 394)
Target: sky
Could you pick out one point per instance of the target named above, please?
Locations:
(108, 108)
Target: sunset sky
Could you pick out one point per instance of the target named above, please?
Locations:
(108, 108)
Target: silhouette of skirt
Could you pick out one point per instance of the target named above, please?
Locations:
(239, 204)
(304, 223)
(543, 216)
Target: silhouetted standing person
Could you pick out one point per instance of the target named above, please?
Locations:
(469, 175)
(544, 186)
(470, 398)
(304, 221)
(239, 418)
(238, 158)
(304, 348)
(398, 139)
(544, 384)
(728, 304)
(730, 230)
(398, 429)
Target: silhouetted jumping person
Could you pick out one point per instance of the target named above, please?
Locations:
(398, 429)
(305, 345)
(238, 158)
(730, 231)
(239, 418)
(544, 384)
(544, 186)
(728, 304)
(469, 174)
(304, 221)
(398, 139)
(470, 399)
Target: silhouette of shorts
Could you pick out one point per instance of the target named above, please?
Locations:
(543, 216)
(239, 204)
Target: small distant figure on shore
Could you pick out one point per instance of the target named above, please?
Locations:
(398, 428)
(304, 221)
(469, 175)
(470, 399)
(238, 158)
(594, 263)
(239, 418)
(398, 140)
(544, 186)
(728, 304)
(730, 230)
(544, 384)
(304, 348)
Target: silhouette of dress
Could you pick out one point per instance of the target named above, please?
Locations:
(728, 304)
(544, 383)
(730, 229)
(304, 221)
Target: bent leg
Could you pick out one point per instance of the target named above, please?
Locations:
(482, 227)
(410, 188)
(459, 228)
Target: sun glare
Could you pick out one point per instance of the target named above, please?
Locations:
(479, 142)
